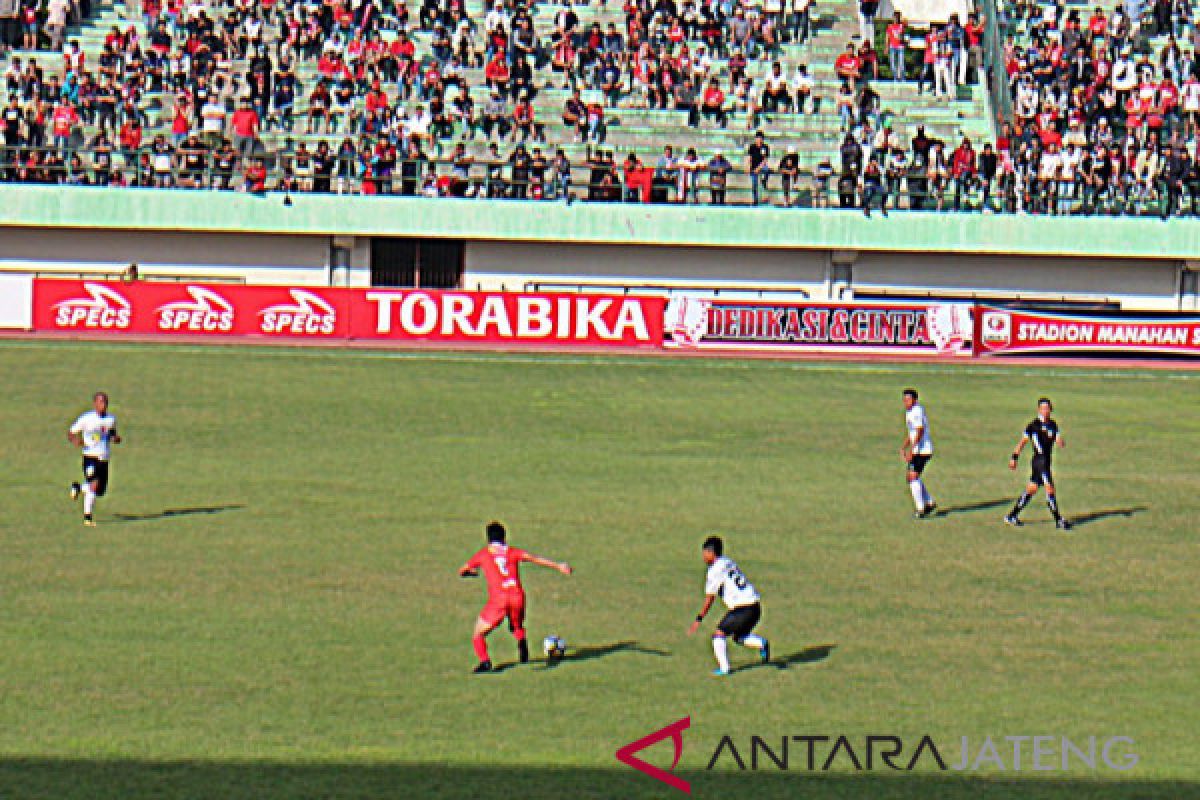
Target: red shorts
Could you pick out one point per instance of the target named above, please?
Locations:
(511, 606)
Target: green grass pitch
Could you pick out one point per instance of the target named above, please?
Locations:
(269, 607)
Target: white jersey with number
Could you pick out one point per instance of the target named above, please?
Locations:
(916, 420)
(95, 430)
(725, 579)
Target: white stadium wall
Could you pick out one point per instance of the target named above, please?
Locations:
(513, 265)
(1143, 285)
(250, 257)
(1134, 284)
(1140, 284)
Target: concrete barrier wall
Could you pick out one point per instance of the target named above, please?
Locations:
(1136, 264)
(249, 257)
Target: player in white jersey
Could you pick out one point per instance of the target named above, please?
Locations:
(726, 580)
(94, 432)
(916, 451)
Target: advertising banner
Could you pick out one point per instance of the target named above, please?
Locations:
(411, 315)
(1007, 331)
(893, 328)
(400, 315)
(192, 309)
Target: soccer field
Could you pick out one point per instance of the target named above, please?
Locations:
(269, 607)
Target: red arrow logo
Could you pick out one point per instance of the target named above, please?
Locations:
(675, 730)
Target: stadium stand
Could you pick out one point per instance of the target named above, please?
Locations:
(1105, 105)
(776, 101)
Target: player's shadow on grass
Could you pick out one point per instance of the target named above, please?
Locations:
(167, 513)
(591, 652)
(808, 655)
(1096, 516)
(983, 505)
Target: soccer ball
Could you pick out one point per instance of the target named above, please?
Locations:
(554, 647)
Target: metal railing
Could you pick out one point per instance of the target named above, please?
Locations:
(914, 190)
(994, 32)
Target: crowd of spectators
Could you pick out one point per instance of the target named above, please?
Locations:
(220, 79)
(1099, 125)
(1105, 116)
(1104, 106)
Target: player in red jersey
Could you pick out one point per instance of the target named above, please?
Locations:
(501, 567)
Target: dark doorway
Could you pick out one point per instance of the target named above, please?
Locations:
(424, 263)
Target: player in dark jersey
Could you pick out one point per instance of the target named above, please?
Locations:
(501, 567)
(1042, 434)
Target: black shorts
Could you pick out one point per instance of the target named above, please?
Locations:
(739, 622)
(1040, 473)
(96, 470)
(917, 462)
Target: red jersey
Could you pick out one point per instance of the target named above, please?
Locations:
(847, 62)
(245, 122)
(501, 567)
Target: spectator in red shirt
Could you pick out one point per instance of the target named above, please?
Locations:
(329, 65)
(130, 137)
(497, 74)
(712, 104)
(974, 35)
(1168, 98)
(62, 124)
(896, 43)
(245, 124)
(402, 47)
(848, 66)
(523, 122)
(181, 122)
(369, 184)
(963, 169)
(255, 177)
(377, 99)
(638, 179)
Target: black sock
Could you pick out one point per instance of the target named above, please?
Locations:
(1019, 506)
(1052, 504)
(523, 650)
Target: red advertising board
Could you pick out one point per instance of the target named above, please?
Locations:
(401, 315)
(1003, 331)
(912, 328)
(192, 309)
(497, 318)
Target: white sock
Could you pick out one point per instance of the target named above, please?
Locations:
(918, 494)
(720, 649)
(89, 499)
(754, 641)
